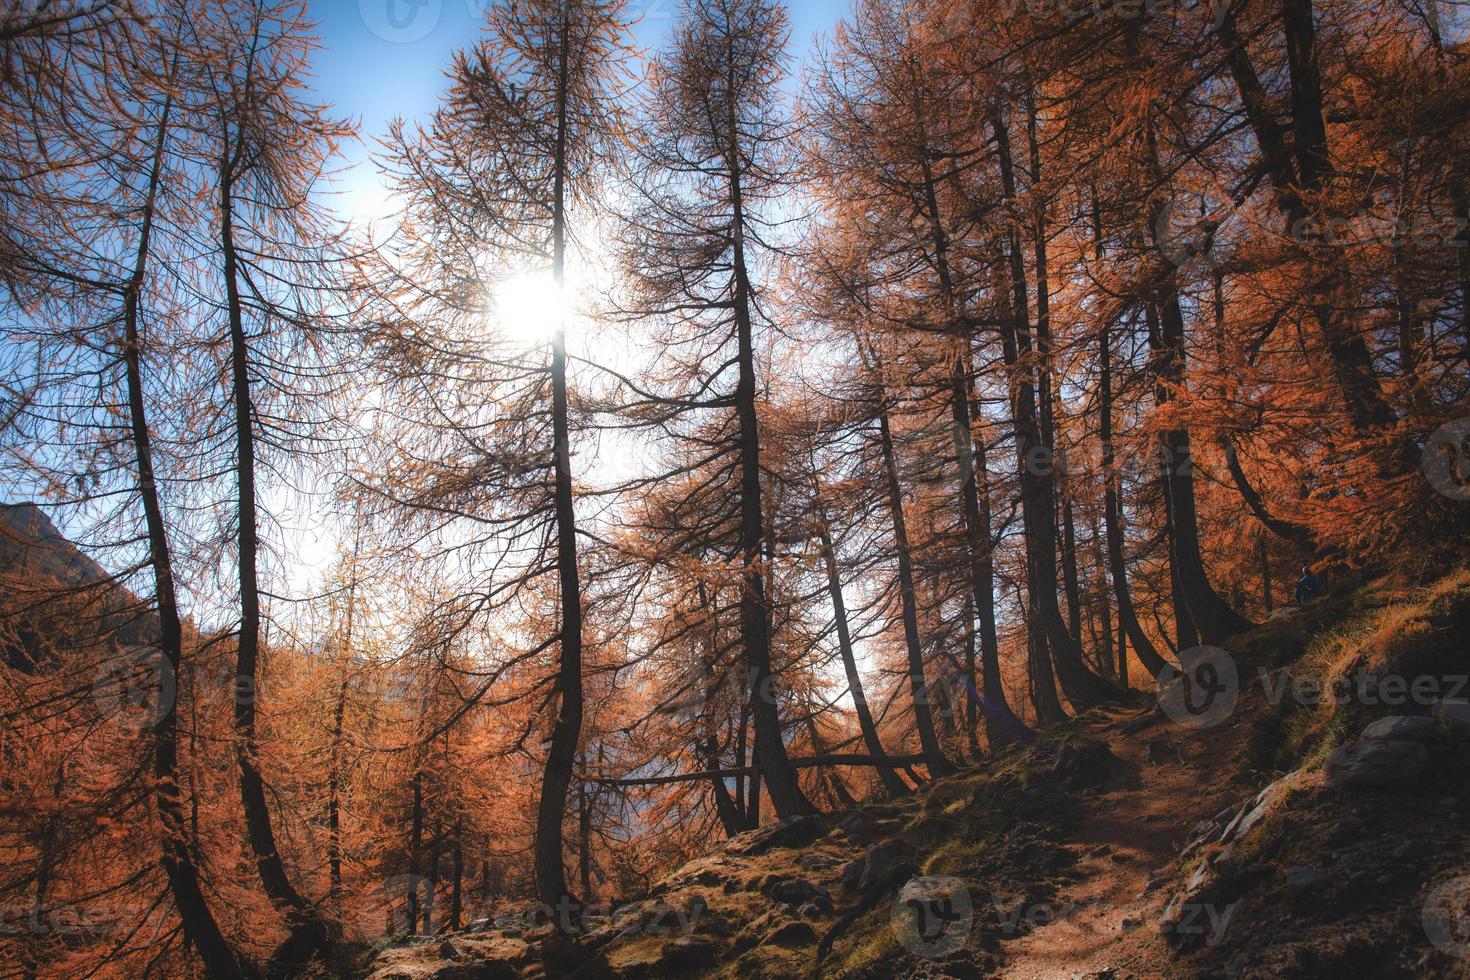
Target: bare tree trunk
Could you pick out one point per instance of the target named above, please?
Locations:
(415, 847)
(551, 885)
(309, 933)
(775, 764)
(1113, 517)
(1083, 688)
(1213, 617)
(918, 687)
(456, 896)
(198, 922)
(887, 777)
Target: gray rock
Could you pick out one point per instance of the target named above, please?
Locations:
(1375, 764)
(818, 906)
(797, 891)
(1453, 717)
(792, 934)
(1412, 849)
(1255, 809)
(689, 952)
(1226, 861)
(1307, 879)
(875, 867)
(1401, 728)
(791, 832)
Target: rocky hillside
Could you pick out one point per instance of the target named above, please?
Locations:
(1306, 819)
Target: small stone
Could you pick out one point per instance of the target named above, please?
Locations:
(1401, 728)
(1411, 849)
(1132, 925)
(1307, 879)
(819, 906)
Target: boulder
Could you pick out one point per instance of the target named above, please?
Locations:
(792, 934)
(1453, 717)
(872, 869)
(791, 832)
(689, 953)
(796, 891)
(1401, 728)
(818, 906)
(1375, 764)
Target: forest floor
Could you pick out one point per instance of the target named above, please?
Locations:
(1292, 838)
(1125, 836)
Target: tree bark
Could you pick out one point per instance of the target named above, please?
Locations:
(780, 777)
(551, 885)
(1113, 518)
(309, 932)
(918, 687)
(1083, 688)
(198, 922)
(889, 778)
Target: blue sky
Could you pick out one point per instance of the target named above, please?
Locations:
(386, 58)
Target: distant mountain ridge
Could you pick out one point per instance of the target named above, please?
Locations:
(31, 544)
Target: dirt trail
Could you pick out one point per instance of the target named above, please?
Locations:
(1106, 924)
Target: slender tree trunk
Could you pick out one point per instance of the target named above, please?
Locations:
(334, 797)
(918, 688)
(1213, 617)
(972, 666)
(1113, 518)
(1083, 688)
(198, 922)
(551, 885)
(1104, 605)
(415, 848)
(889, 778)
(456, 896)
(1185, 633)
(431, 873)
(770, 748)
(1044, 699)
(309, 934)
(1266, 596)
(1002, 727)
(1001, 724)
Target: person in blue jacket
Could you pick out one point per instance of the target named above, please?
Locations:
(1309, 587)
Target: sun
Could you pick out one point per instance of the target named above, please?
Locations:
(527, 308)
